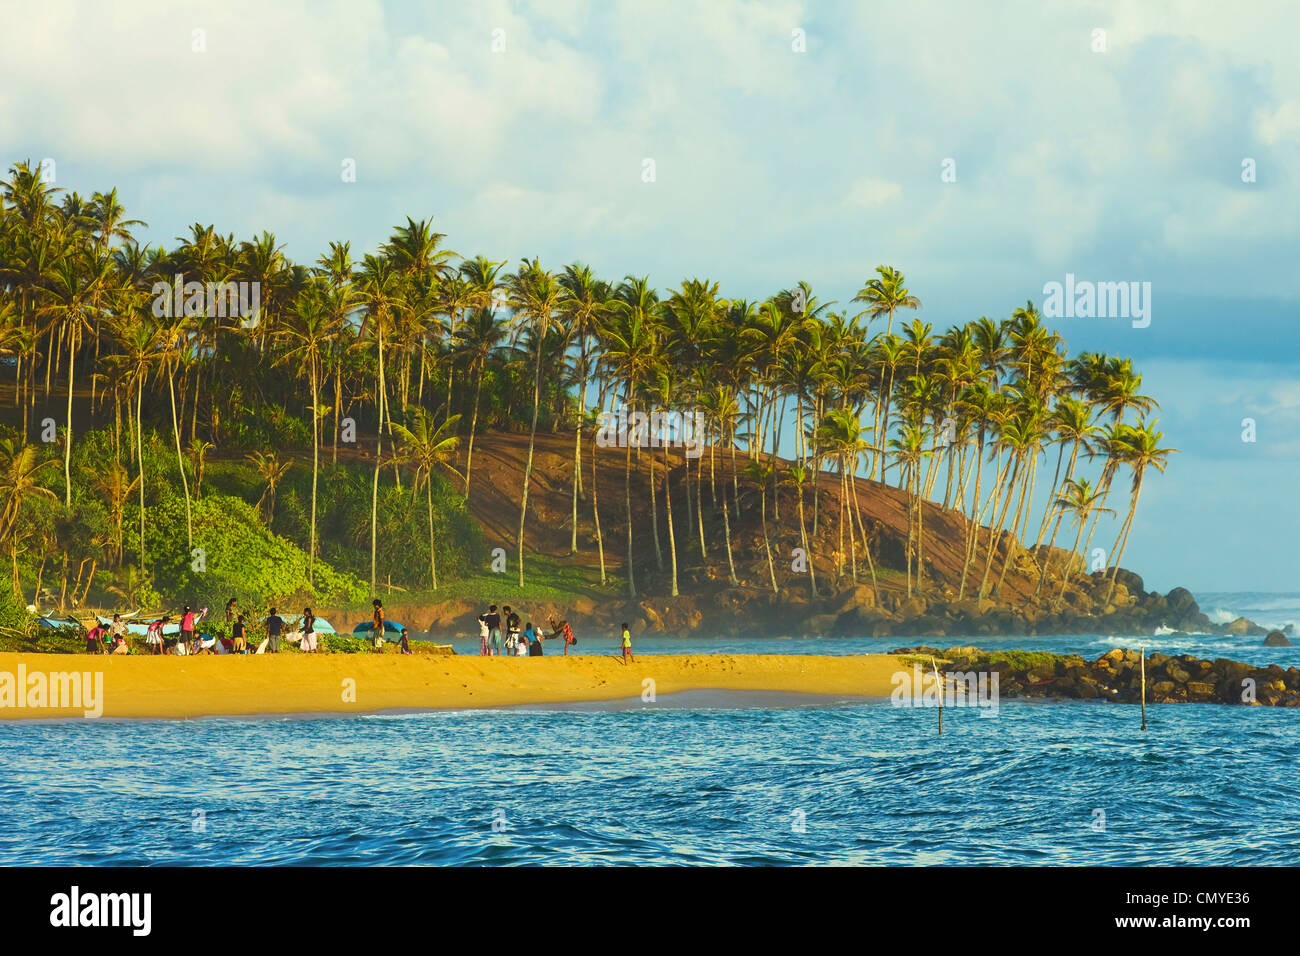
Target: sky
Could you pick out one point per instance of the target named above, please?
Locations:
(983, 149)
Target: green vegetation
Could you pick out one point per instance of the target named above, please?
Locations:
(308, 434)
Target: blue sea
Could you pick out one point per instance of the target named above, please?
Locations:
(696, 778)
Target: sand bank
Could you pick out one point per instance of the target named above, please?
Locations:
(180, 687)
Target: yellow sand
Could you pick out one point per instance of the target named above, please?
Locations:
(177, 687)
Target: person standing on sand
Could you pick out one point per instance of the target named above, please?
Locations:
(237, 632)
(154, 635)
(482, 636)
(494, 631)
(187, 630)
(274, 625)
(377, 626)
(563, 630)
(512, 630)
(308, 630)
(627, 645)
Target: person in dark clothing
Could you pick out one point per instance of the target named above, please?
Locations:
(240, 638)
(309, 631)
(493, 621)
(377, 625)
(274, 627)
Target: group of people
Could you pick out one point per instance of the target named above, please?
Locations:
(111, 638)
(503, 634)
(500, 634)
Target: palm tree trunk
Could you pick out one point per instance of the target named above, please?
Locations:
(1074, 553)
(379, 460)
(139, 451)
(433, 557)
(473, 427)
(668, 504)
(654, 507)
(627, 501)
(528, 466)
(595, 514)
(726, 527)
(180, 461)
(767, 543)
(577, 464)
(803, 537)
(1122, 542)
(315, 469)
(996, 532)
(67, 439)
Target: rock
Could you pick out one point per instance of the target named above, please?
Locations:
(1177, 674)
(1244, 626)
(1276, 639)
(1200, 688)
(1162, 688)
(821, 625)
(652, 619)
(858, 596)
(913, 607)
(1180, 603)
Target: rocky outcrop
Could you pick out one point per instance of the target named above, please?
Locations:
(1116, 676)
(1276, 639)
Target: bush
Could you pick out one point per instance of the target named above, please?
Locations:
(240, 557)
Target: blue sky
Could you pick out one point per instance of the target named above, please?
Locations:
(771, 166)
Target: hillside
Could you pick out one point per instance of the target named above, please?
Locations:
(706, 599)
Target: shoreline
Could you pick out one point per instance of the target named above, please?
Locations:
(147, 687)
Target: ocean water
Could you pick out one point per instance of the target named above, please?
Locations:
(680, 781)
(1267, 610)
(703, 777)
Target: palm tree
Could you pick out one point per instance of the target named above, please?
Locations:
(139, 341)
(628, 340)
(115, 487)
(77, 295)
(535, 296)
(309, 332)
(427, 446)
(885, 296)
(197, 453)
(761, 473)
(1081, 499)
(381, 291)
(20, 468)
(585, 299)
(798, 477)
(272, 471)
(1141, 450)
(481, 336)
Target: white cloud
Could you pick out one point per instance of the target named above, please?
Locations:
(869, 191)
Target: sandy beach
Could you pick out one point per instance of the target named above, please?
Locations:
(179, 687)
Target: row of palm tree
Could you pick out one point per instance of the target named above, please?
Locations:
(399, 345)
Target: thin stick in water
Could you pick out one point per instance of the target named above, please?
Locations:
(1144, 686)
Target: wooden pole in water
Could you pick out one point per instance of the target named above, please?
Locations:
(938, 683)
(1144, 687)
